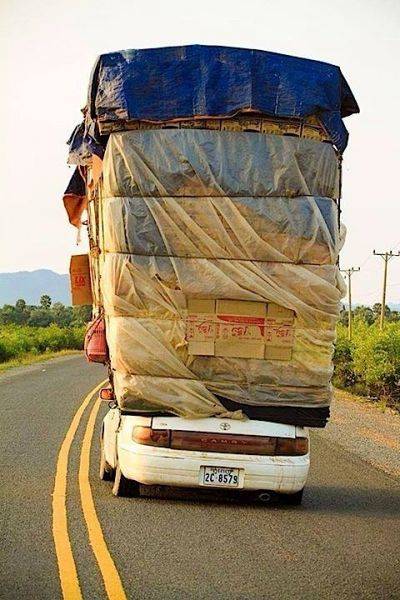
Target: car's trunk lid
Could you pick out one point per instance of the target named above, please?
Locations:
(227, 426)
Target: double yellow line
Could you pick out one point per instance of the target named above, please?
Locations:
(70, 587)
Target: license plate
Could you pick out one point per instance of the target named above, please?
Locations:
(219, 476)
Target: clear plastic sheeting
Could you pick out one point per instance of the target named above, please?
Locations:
(185, 398)
(151, 348)
(147, 325)
(299, 230)
(179, 193)
(158, 287)
(195, 162)
(194, 214)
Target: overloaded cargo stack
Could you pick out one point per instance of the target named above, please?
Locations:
(212, 183)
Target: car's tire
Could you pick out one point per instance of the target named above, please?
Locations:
(106, 472)
(124, 487)
(292, 499)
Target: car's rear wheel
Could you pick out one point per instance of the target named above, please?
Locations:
(106, 472)
(124, 487)
(292, 499)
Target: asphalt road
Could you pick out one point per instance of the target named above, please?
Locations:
(344, 542)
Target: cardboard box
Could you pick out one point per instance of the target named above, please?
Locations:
(230, 125)
(79, 272)
(276, 311)
(272, 353)
(281, 127)
(201, 348)
(279, 333)
(241, 307)
(239, 328)
(251, 124)
(236, 348)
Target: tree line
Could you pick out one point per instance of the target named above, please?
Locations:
(369, 315)
(44, 314)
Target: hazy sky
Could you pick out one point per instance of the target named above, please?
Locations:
(47, 49)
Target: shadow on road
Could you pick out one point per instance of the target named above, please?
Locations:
(370, 501)
(317, 499)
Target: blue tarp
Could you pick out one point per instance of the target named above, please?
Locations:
(187, 81)
(79, 154)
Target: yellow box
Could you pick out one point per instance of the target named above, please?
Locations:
(79, 273)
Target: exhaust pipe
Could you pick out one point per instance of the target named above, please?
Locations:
(265, 497)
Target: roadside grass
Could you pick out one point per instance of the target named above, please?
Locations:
(369, 365)
(29, 359)
(24, 344)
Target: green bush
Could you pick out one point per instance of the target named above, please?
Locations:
(371, 361)
(19, 340)
(343, 359)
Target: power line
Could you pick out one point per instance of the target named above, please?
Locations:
(349, 273)
(370, 255)
(376, 290)
(365, 261)
(386, 257)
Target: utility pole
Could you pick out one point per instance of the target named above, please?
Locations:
(349, 273)
(386, 257)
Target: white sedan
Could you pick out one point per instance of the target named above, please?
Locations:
(207, 453)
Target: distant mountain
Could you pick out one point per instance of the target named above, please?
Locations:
(30, 285)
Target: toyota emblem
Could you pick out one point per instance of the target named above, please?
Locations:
(225, 426)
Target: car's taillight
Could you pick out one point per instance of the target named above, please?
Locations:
(151, 437)
(291, 446)
(106, 394)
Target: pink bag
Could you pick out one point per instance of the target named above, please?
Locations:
(95, 346)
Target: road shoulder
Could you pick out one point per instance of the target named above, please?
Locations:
(43, 361)
(365, 430)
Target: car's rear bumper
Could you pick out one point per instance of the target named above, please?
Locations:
(164, 466)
